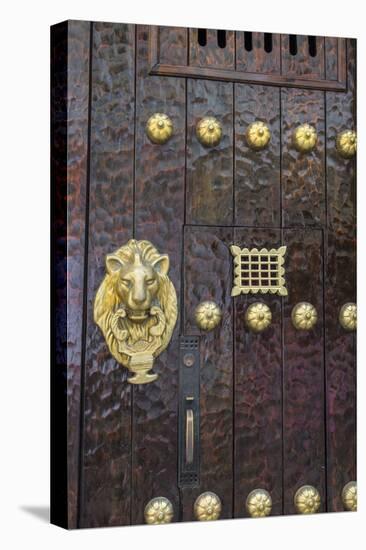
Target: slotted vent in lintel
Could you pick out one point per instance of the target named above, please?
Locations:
(243, 56)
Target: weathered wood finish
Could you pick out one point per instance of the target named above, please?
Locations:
(302, 63)
(303, 174)
(258, 391)
(340, 288)
(70, 110)
(207, 276)
(106, 462)
(258, 60)
(277, 409)
(303, 378)
(173, 45)
(159, 217)
(209, 169)
(257, 173)
(255, 65)
(211, 55)
(77, 136)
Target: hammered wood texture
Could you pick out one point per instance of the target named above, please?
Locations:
(70, 96)
(257, 173)
(106, 481)
(77, 149)
(303, 64)
(208, 276)
(303, 367)
(159, 217)
(340, 288)
(258, 391)
(303, 177)
(257, 60)
(211, 55)
(173, 45)
(277, 409)
(209, 169)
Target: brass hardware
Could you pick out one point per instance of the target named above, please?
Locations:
(159, 128)
(209, 131)
(304, 316)
(259, 503)
(305, 138)
(188, 360)
(136, 307)
(189, 412)
(207, 507)
(349, 496)
(258, 271)
(258, 317)
(158, 510)
(208, 315)
(258, 135)
(307, 500)
(189, 436)
(346, 144)
(348, 316)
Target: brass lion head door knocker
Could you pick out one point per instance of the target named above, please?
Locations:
(136, 307)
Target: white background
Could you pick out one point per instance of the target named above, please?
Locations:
(24, 272)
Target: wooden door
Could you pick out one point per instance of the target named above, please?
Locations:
(273, 410)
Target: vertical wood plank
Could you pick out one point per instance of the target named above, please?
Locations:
(173, 48)
(303, 174)
(107, 395)
(304, 419)
(341, 288)
(331, 57)
(70, 45)
(303, 64)
(159, 217)
(77, 151)
(209, 169)
(211, 54)
(257, 60)
(258, 391)
(208, 276)
(257, 173)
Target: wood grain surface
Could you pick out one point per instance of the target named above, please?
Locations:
(159, 217)
(211, 55)
(258, 390)
(208, 276)
(278, 408)
(257, 173)
(340, 288)
(106, 459)
(209, 169)
(303, 370)
(303, 174)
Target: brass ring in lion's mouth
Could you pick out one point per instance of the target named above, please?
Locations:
(138, 315)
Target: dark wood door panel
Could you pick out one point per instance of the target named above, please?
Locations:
(106, 452)
(303, 370)
(159, 218)
(340, 288)
(277, 409)
(70, 59)
(209, 169)
(211, 50)
(257, 173)
(258, 390)
(303, 174)
(208, 276)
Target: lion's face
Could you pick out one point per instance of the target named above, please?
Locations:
(137, 287)
(137, 283)
(136, 306)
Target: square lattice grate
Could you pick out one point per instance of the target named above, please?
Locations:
(259, 271)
